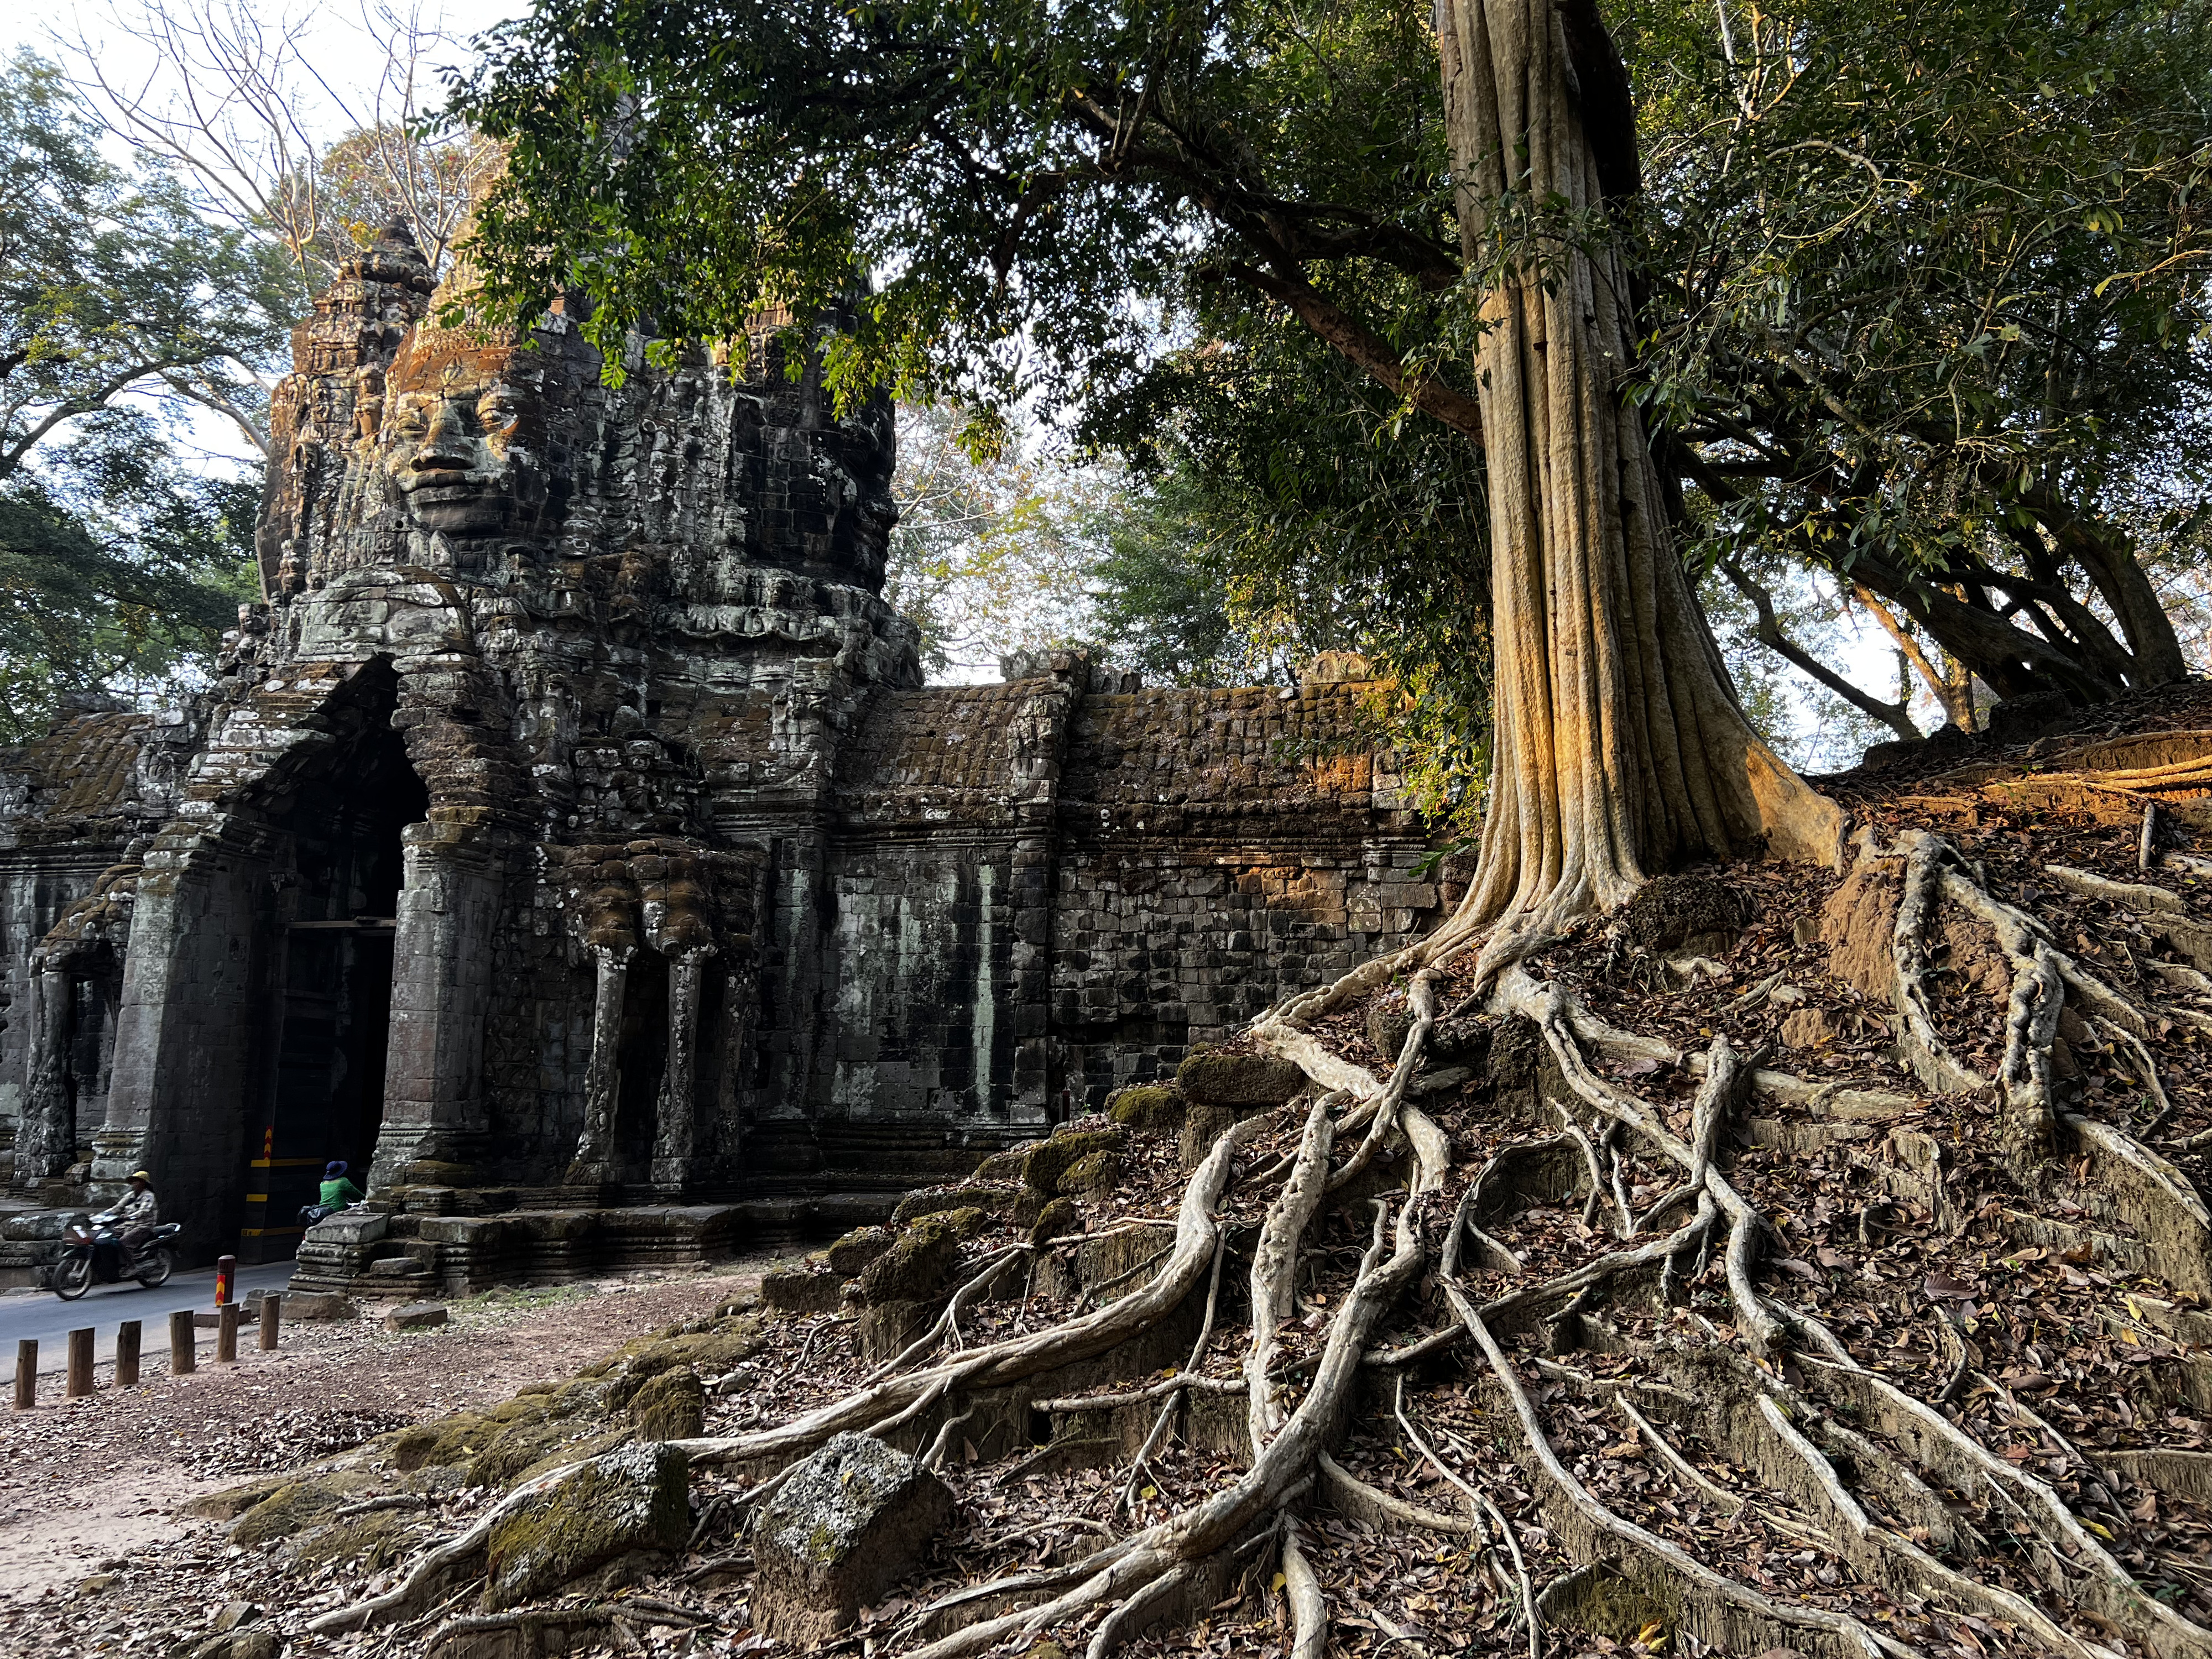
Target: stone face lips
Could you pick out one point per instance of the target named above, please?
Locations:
(849, 1523)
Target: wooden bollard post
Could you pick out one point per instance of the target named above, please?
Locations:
(225, 1335)
(126, 1354)
(268, 1321)
(27, 1373)
(79, 1363)
(184, 1342)
(225, 1275)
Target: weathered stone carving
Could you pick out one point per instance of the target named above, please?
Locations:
(572, 828)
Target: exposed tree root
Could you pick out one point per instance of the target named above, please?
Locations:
(1743, 1397)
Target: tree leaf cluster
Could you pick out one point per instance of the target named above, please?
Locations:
(119, 305)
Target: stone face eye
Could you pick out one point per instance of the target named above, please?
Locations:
(499, 410)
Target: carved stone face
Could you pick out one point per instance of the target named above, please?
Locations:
(463, 444)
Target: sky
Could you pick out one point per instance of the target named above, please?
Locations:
(339, 28)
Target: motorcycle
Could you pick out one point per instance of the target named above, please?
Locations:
(92, 1254)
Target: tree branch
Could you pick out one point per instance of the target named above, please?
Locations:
(1894, 716)
(1361, 345)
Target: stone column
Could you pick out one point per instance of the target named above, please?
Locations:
(441, 983)
(603, 1076)
(675, 1131)
(192, 1029)
(45, 1142)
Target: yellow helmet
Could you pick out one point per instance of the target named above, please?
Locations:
(142, 1175)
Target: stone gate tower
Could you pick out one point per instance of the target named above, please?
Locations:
(571, 826)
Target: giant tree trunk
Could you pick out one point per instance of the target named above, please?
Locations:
(1619, 745)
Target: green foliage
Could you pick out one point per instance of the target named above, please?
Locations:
(117, 563)
(90, 600)
(1922, 303)
(1164, 601)
(110, 284)
(1932, 284)
(1024, 185)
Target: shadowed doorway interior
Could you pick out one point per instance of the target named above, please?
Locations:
(333, 930)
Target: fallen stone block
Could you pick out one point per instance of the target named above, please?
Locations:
(415, 1317)
(1094, 1172)
(319, 1305)
(856, 1249)
(920, 1265)
(232, 1502)
(1050, 1159)
(930, 1200)
(801, 1292)
(301, 1502)
(883, 1330)
(850, 1522)
(1206, 1123)
(670, 1407)
(633, 1502)
(1060, 1216)
(1146, 1106)
(1219, 1079)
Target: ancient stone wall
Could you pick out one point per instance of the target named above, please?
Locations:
(572, 825)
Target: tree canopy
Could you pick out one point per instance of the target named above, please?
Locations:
(119, 306)
(1952, 359)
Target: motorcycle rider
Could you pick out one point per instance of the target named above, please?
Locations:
(138, 1214)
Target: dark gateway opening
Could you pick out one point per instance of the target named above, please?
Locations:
(335, 912)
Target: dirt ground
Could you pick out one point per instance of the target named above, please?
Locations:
(86, 1484)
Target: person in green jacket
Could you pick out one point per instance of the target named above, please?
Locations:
(337, 1191)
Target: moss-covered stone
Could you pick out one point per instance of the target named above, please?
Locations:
(797, 1290)
(294, 1507)
(1206, 1123)
(1060, 1216)
(232, 1502)
(709, 1352)
(632, 1499)
(1216, 1078)
(375, 1541)
(515, 1449)
(918, 1266)
(1150, 1106)
(453, 1439)
(1388, 1020)
(1050, 1159)
(670, 1407)
(992, 1200)
(1008, 1165)
(848, 1522)
(1095, 1172)
(573, 1451)
(856, 1249)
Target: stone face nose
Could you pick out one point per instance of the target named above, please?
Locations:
(450, 443)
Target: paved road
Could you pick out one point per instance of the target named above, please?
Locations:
(48, 1320)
